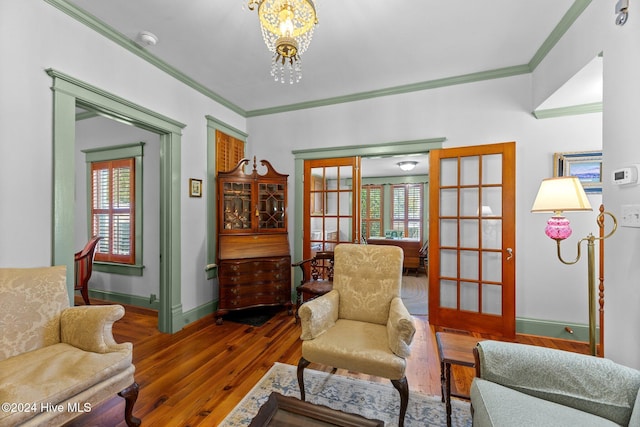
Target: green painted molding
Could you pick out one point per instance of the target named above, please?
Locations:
(574, 110)
(69, 92)
(86, 115)
(389, 148)
(128, 44)
(100, 100)
(553, 329)
(199, 312)
(396, 90)
(563, 26)
(121, 298)
(214, 124)
(90, 21)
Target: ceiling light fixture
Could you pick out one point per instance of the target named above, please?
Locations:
(408, 165)
(287, 29)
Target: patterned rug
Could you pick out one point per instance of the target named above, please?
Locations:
(372, 400)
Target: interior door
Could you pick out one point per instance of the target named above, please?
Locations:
(472, 239)
(331, 203)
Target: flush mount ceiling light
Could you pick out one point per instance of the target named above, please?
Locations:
(287, 29)
(408, 165)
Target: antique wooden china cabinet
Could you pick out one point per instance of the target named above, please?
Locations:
(254, 262)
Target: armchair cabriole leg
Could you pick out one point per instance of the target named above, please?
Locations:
(130, 395)
(302, 363)
(403, 388)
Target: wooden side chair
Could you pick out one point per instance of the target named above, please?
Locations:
(317, 278)
(84, 268)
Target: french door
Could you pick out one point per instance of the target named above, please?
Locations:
(472, 239)
(331, 203)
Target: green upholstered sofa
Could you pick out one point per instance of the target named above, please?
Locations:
(56, 361)
(523, 385)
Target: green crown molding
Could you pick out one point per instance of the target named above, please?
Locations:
(125, 42)
(563, 26)
(91, 21)
(574, 110)
(396, 90)
(388, 148)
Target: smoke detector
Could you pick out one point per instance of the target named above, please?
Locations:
(146, 39)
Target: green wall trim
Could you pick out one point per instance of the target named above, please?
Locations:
(574, 110)
(565, 23)
(122, 269)
(198, 313)
(214, 124)
(389, 148)
(109, 32)
(120, 298)
(69, 92)
(128, 44)
(554, 329)
(396, 90)
(100, 101)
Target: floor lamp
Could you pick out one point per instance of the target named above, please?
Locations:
(563, 194)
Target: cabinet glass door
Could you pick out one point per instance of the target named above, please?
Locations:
(237, 206)
(271, 206)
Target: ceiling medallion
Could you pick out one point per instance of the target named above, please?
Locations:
(287, 29)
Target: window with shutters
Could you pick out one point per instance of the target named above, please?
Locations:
(406, 209)
(114, 189)
(371, 210)
(113, 209)
(229, 151)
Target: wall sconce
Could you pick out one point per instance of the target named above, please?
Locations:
(407, 165)
(566, 194)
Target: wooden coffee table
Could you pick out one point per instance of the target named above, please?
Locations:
(281, 410)
(453, 349)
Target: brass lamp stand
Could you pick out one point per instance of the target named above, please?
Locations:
(591, 271)
(567, 194)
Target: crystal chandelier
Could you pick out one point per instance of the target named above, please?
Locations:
(287, 29)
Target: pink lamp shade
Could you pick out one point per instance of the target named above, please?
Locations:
(558, 228)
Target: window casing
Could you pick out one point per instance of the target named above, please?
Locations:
(371, 211)
(406, 210)
(114, 187)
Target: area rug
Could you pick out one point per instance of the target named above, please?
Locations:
(369, 399)
(415, 294)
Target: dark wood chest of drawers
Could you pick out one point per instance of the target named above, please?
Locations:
(253, 282)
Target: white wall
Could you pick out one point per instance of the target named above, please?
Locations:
(35, 36)
(471, 114)
(100, 132)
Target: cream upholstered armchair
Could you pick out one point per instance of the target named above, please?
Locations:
(362, 324)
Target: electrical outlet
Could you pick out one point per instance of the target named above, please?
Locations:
(630, 216)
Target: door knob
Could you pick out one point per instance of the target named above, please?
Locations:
(509, 254)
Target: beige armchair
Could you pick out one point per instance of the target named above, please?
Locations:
(362, 324)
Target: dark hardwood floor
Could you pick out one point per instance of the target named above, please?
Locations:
(197, 376)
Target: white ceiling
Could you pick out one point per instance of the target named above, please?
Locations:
(357, 47)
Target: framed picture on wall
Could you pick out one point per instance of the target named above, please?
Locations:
(585, 165)
(195, 187)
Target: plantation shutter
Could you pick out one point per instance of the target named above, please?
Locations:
(229, 151)
(113, 209)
